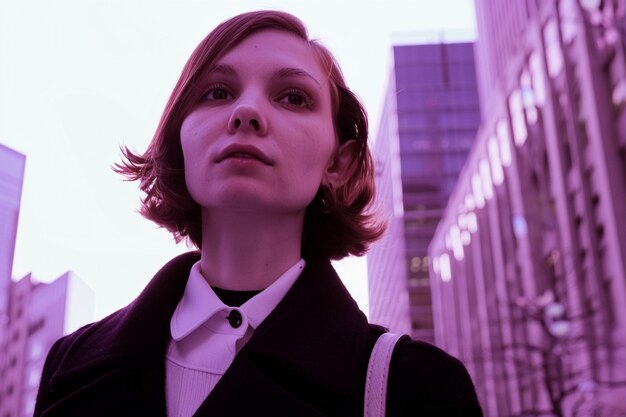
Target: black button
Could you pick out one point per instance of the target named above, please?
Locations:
(234, 318)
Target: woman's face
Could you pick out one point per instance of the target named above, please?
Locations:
(261, 136)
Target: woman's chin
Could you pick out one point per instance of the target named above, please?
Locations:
(248, 196)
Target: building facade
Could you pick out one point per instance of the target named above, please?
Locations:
(429, 122)
(501, 26)
(32, 315)
(12, 165)
(39, 314)
(529, 260)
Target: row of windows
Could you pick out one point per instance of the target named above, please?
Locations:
(434, 147)
(428, 163)
(419, 223)
(431, 77)
(419, 264)
(437, 117)
(450, 140)
(439, 120)
(420, 54)
(417, 100)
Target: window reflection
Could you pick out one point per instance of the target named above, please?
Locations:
(494, 159)
(504, 141)
(479, 198)
(536, 73)
(517, 118)
(528, 97)
(554, 54)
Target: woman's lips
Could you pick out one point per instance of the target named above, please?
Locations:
(243, 152)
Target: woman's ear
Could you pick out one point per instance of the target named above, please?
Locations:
(342, 166)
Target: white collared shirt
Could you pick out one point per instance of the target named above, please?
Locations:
(204, 343)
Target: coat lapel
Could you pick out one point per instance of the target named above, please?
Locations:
(308, 358)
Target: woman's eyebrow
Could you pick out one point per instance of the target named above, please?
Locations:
(293, 72)
(222, 69)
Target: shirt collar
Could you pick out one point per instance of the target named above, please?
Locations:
(199, 302)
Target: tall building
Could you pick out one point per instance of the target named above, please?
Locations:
(11, 179)
(529, 259)
(501, 26)
(32, 315)
(12, 165)
(39, 314)
(428, 124)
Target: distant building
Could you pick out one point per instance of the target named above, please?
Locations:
(428, 124)
(529, 260)
(386, 261)
(39, 314)
(12, 165)
(32, 315)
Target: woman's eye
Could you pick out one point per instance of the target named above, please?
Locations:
(218, 93)
(297, 99)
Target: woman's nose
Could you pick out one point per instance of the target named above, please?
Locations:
(246, 118)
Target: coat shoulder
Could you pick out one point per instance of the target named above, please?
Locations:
(424, 377)
(63, 355)
(88, 342)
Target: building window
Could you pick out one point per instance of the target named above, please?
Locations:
(479, 198)
(34, 376)
(600, 232)
(520, 228)
(441, 266)
(419, 264)
(578, 220)
(36, 350)
(35, 326)
(554, 54)
(29, 405)
(520, 133)
(618, 95)
(536, 75)
(502, 131)
(485, 176)
(609, 305)
(567, 156)
(569, 25)
(422, 282)
(528, 97)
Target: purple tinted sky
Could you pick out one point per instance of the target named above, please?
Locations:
(79, 78)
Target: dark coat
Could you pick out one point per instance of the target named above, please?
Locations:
(308, 358)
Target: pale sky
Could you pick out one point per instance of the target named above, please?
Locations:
(79, 78)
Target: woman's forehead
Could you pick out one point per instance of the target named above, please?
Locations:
(272, 49)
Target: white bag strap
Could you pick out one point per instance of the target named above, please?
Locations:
(377, 374)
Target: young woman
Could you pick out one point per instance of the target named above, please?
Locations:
(261, 161)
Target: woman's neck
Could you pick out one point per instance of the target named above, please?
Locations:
(246, 251)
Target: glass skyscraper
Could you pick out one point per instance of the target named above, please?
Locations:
(428, 125)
